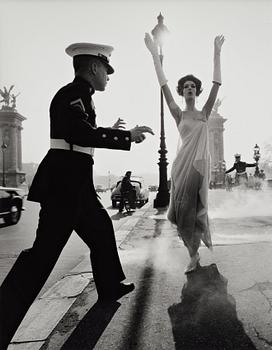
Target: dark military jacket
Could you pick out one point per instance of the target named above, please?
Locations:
(240, 167)
(73, 119)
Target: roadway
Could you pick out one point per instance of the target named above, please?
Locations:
(13, 239)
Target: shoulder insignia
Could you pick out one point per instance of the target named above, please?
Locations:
(78, 104)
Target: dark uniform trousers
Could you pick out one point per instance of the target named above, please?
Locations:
(56, 222)
(64, 187)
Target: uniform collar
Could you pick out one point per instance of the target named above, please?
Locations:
(80, 80)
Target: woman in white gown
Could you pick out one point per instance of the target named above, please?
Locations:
(188, 208)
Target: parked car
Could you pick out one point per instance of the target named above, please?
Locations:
(153, 188)
(100, 188)
(142, 192)
(11, 204)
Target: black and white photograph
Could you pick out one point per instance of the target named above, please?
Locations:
(135, 175)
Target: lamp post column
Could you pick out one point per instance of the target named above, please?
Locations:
(163, 195)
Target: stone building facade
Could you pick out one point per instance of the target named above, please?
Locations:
(216, 141)
(11, 171)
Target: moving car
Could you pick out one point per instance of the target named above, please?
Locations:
(11, 204)
(142, 192)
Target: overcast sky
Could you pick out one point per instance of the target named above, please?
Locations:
(34, 34)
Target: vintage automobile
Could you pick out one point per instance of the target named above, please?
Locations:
(100, 188)
(11, 204)
(153, 188)
(142, 192)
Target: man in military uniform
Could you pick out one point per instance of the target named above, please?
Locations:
(240, 167)
(63, 185)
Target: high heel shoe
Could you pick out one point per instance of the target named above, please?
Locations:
(194, 263)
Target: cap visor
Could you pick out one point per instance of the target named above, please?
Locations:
(110, 70)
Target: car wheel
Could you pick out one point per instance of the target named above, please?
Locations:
(114, 204)
(14, 216)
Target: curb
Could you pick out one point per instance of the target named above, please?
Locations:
(48, 310)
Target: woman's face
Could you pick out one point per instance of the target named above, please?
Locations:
(189, 90)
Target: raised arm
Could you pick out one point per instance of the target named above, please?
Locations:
(218, 42)
(251, 165)
(173, 107)
(230, 170)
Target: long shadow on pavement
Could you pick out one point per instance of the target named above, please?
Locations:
(91, 326)
(206, 317)
(119, 216)
(134, 329)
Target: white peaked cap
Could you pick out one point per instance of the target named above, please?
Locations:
(103, 52)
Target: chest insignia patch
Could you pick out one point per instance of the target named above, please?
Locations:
(78, 104)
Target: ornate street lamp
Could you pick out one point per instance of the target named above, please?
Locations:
(257, 157)
(4, 146)
(163, 196)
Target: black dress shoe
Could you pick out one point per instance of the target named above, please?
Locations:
(119, 291)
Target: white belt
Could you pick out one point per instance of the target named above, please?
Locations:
(62, 144)
(243, 173)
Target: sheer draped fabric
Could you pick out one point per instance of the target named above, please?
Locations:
(188, 208)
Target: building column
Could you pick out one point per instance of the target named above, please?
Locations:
(11, 126)
(19, 148)
(216, 139)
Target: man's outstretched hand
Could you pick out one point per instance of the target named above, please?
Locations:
(119, 124)
(137, 133)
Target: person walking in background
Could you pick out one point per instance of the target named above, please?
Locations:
(63, 185)
(188, 207)
(250, 181)
(260, 179)
(127, 192)
(228, 182)
(262, 175)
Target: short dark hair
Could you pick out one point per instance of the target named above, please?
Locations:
(83, 61)
(189, 77)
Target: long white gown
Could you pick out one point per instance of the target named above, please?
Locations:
(188, 207)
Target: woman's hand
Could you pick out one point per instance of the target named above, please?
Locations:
(218, 42)
(150, 44)
(119, 124)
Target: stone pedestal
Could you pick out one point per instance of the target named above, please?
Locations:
(216, 141)
(11, 148)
